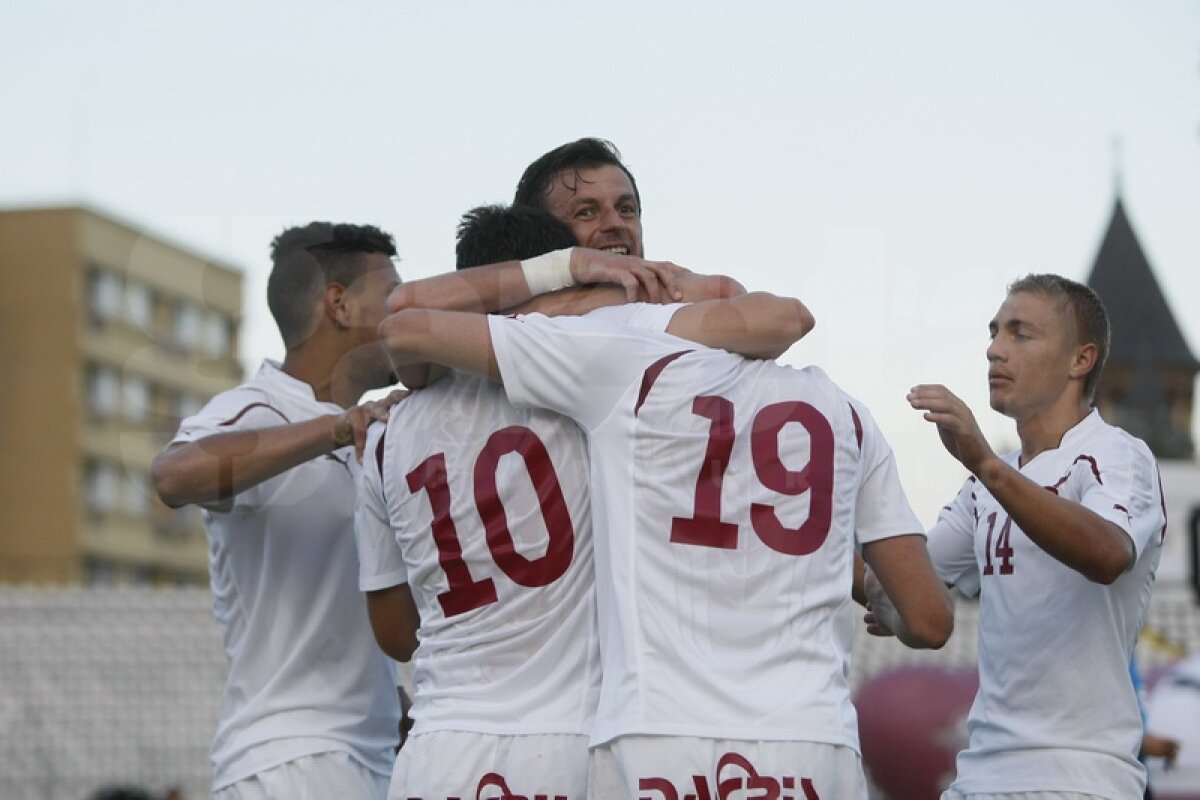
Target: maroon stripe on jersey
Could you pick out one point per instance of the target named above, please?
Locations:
(857, 427)
(248, 408)
(379, 461)
(1091, 462)
(345, 462)
(1121, 508)
(379, 452)
(1162, 499)
(651, 375)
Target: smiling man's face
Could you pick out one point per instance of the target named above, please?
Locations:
(600, 206)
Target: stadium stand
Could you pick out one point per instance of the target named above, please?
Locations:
(120, 686)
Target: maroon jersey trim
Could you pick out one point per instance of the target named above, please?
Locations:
(651, 375)
(248, 408)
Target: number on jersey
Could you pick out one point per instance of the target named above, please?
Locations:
(706, 528)
(465, 592)
(1003, 551)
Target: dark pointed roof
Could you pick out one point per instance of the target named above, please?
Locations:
(1143, 327)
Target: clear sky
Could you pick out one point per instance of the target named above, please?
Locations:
(893, 164)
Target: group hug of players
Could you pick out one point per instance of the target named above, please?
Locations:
(622, 545)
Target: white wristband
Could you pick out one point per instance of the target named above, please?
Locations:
(549, 271)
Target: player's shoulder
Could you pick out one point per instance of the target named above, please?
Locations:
(1096, 438)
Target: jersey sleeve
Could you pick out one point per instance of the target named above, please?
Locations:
(576, 366)
(646, 316)
(240, 409)
(951, 542)
(1120, 483)
(882, 509)
(380, 560)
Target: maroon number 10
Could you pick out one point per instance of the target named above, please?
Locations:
(465, 592)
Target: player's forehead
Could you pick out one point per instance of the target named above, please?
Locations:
(606, 183)
(1028, 309)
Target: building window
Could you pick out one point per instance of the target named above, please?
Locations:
(104, 390)
(188, 323)
(216, 334)
(140, 304)
(136, 500)
(102, 483)
(137, 398)
(100, 573)
(104, 295)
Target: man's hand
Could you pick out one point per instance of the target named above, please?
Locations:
(350, 427)
(882, 618)
(1154, 746)
(658, 279)
(959, 432)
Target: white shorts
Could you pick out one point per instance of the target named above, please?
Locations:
(673, 767)
(316, 777)
(480, 766)
(951, 794)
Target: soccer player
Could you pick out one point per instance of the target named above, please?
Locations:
(729, 495)
(310, 707)
(585, 184)
(1060, 540)
(475, 537)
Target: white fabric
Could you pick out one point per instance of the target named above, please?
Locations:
(445, 764)
(741, 641)
(951, 795)
(1056, 709)
(317, 777)
(305, 674)
(548, 272)
(1173, 711)
(671, 767)
(526, 662)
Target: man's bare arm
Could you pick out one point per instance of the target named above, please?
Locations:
(756, 325)
(496, 287)
(218, 467)
(1077, 536)
(904, 593)
(394, 620)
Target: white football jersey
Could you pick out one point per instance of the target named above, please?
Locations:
(305, 673)
(483, 510)
(1056, 709)
(728, 497)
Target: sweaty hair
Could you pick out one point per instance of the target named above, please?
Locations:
(491, 234)
(588, 153)
(1091, 319)
(305, 259)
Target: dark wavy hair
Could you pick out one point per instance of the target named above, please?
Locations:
(495, 233)
(586, 153)
(306, 258)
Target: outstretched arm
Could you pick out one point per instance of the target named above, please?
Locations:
(756, 325)
(216, 468)
(693, 288)
(530, 285)
(1077, 536)
(904, 594)
(496, 287)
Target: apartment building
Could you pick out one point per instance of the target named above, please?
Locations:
(108, 337)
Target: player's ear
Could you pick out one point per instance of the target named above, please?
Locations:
(336, 305)
(1084, 360)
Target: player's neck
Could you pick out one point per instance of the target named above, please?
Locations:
(314, 362)
(1044, 429)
